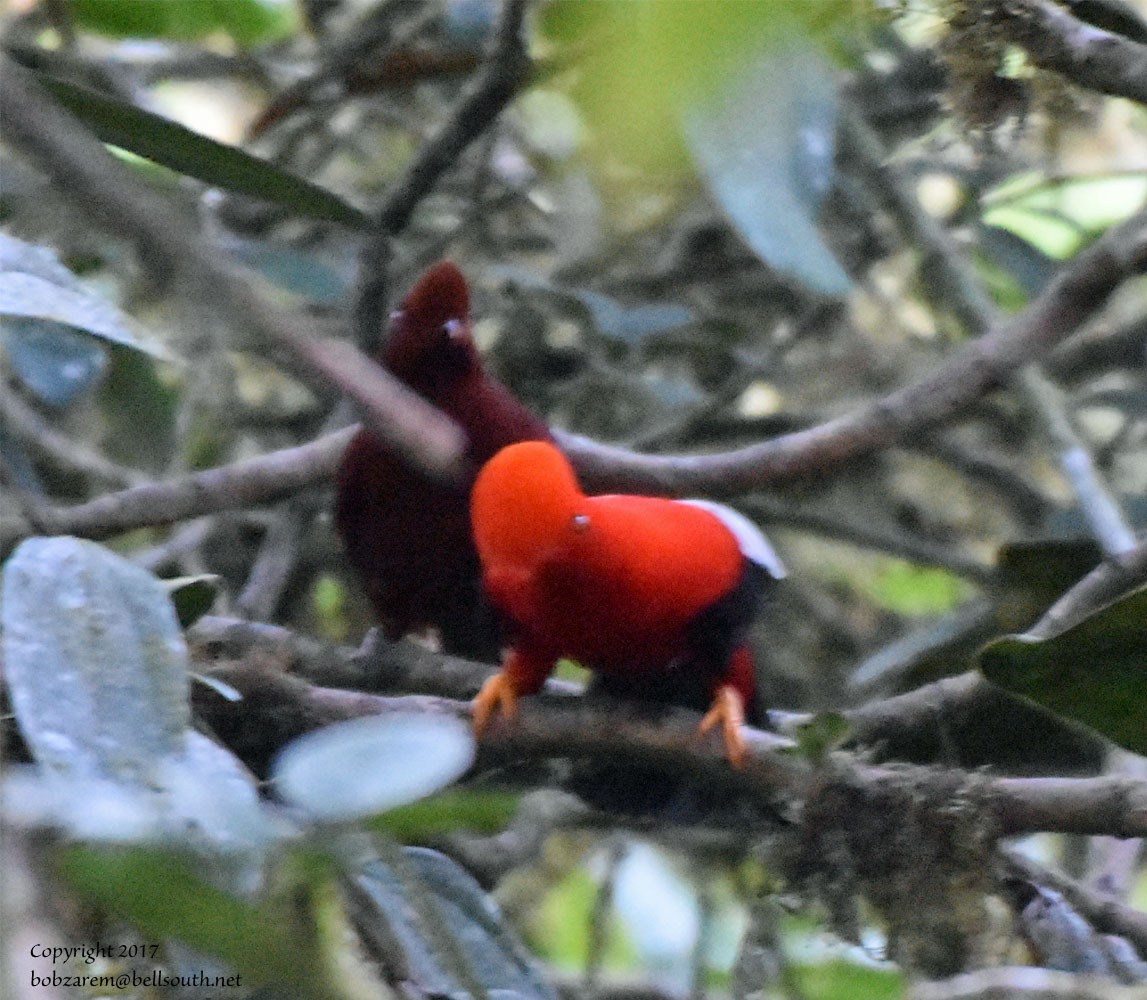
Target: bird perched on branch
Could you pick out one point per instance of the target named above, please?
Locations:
(407, 534)
(653, 595)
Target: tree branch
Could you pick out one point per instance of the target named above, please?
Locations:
(1055, 39)
(277, 707)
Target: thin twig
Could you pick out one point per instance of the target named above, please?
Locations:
(492, 89)
(1100, 587)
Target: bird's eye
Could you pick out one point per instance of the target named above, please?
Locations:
(580, 523)
(454, 329)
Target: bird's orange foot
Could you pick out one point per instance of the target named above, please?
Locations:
(499, 695)
(728, 711)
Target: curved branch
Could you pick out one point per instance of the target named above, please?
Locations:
(1094, 58)
(226, 487)
(983, 365)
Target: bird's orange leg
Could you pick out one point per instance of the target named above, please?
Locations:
(498, 695)
(728, 711)
(524, 672)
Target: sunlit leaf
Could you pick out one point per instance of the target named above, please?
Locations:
(1060, 217)
(642, 62)
(366, 766)
(1094, 672)
(249, 22)
(914, 590)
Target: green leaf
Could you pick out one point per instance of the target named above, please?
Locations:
(95, 660)
(138, 408)
(1094, 672)
(409, 756)
(918, 590)
(162, 894)
(838, 979)
(821, 967)
(824, 732)
(1060, 217)
(166, 142)
(1032, 575)
(458, 809)
(249, 22)
(193, 596)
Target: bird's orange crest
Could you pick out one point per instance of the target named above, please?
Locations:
(524, 504)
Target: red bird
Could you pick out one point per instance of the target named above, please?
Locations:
(653, 595)
(406, 534)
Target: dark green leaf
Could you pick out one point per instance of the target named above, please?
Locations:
(138, 409)
(410, 756)
(1032, 575)
(458, 809)
(1094, 672)
(824, 732)
(171, 144)
(192, 596)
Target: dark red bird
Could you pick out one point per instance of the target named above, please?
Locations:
(406, 534)
(653, 595)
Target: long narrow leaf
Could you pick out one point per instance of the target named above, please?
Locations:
(173, 145)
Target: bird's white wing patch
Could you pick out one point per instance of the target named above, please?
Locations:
(750, 538)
